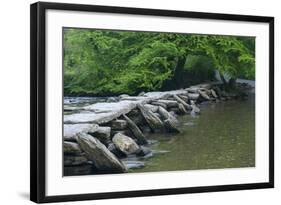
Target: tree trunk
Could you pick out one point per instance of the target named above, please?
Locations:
(178, 73)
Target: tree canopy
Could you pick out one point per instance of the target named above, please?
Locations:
(103, 62)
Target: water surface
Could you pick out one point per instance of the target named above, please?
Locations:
(223, 136)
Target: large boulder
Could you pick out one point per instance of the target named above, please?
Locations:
(125, 144)
(103, 159)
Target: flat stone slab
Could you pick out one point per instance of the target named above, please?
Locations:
(101, 112)
(105, 112)
(70, 131)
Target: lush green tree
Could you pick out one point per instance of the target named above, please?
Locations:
(102, 62)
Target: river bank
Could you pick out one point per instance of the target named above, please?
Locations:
(115, 137)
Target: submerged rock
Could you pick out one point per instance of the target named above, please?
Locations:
(143, 151)
(125, 144)
(103, 159)
(133, 164)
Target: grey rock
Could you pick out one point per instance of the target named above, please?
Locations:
(141, 139)
(102, 134)
(70, 131)
(169, 103)
(118, 124)
(103, 159)
(112, 148)
(71, 148)
(193, 96)
(112, 99)
(153, 108)
(152, 120)
(125, 144)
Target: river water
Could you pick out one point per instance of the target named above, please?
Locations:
(223, 136)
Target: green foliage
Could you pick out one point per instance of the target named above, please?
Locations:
(101, 62)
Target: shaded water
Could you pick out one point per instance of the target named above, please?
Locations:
(223, 136)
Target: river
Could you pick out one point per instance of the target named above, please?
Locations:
(223, 136)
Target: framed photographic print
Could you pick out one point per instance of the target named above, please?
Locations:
(129, 102)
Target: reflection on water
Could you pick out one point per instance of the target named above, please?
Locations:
(223, 136)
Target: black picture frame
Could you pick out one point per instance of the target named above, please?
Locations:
(38, 101)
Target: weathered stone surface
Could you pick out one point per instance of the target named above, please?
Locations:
(112, 148)
(70, 131)
(157, 103)
(182, 109)
(214, 94)
(195, 109)
(102, 134)
(169, 103)
(170, 122)
(218, 91)
(166, 115)
(118, 124)
(71, 160)
(71, 148)
(173, 113)
(192, 89)
(125, 144)
(68, 108)
(101, 112)
(127, 132)
(95, 151)
(204, 95)
(181, 101)
(153, 108)
(193, 96)
(171, 125)
(141, 93)
(152, 120)
(137, 98)
(141, 139)
(112, 99)
(184, 97)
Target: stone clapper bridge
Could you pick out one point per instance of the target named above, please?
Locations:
(102, 135)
